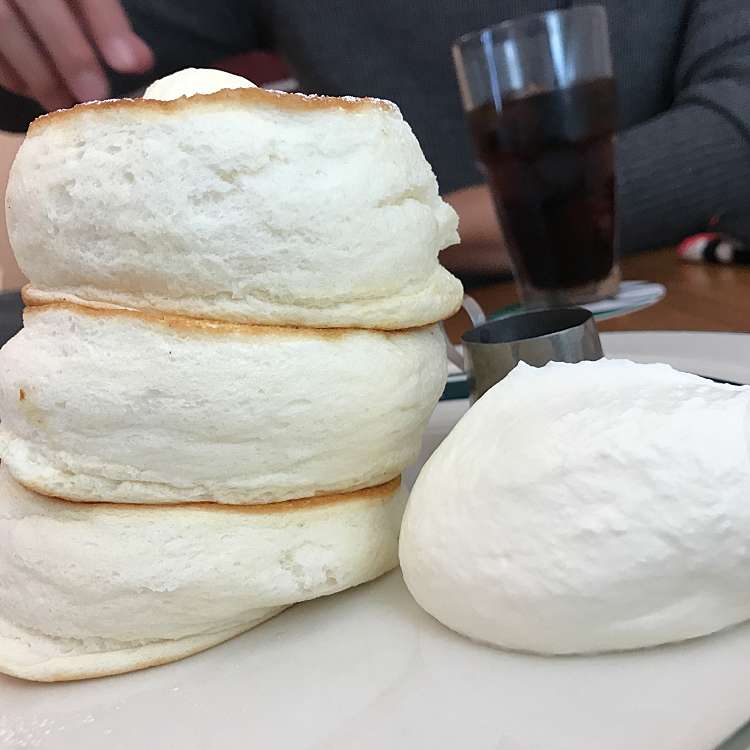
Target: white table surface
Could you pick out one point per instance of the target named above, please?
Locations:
(368, 669)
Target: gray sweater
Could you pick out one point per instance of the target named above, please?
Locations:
(682, 67)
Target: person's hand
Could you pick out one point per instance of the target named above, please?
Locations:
(50, 50)
(482, 250)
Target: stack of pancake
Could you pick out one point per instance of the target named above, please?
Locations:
(229, 356)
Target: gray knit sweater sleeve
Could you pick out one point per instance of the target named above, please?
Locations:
(692, 163)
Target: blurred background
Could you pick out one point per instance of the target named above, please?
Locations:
(10, 275)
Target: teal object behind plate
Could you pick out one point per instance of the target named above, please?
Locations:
(632, 297)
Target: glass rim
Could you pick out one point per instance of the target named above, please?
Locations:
(470, 36)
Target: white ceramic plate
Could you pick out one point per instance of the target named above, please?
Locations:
(368, 669)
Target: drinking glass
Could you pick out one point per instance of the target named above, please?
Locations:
(539, 96)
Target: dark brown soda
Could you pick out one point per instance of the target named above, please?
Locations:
(549, 161)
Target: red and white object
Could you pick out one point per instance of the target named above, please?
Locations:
(712, 247)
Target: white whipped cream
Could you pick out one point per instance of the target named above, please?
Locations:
(590, 507)
(193, 81)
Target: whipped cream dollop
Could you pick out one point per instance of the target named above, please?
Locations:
(590, 507)
(193, 81)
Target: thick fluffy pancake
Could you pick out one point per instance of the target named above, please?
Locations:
(93, 589)
(124, 407)
(243, 205)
